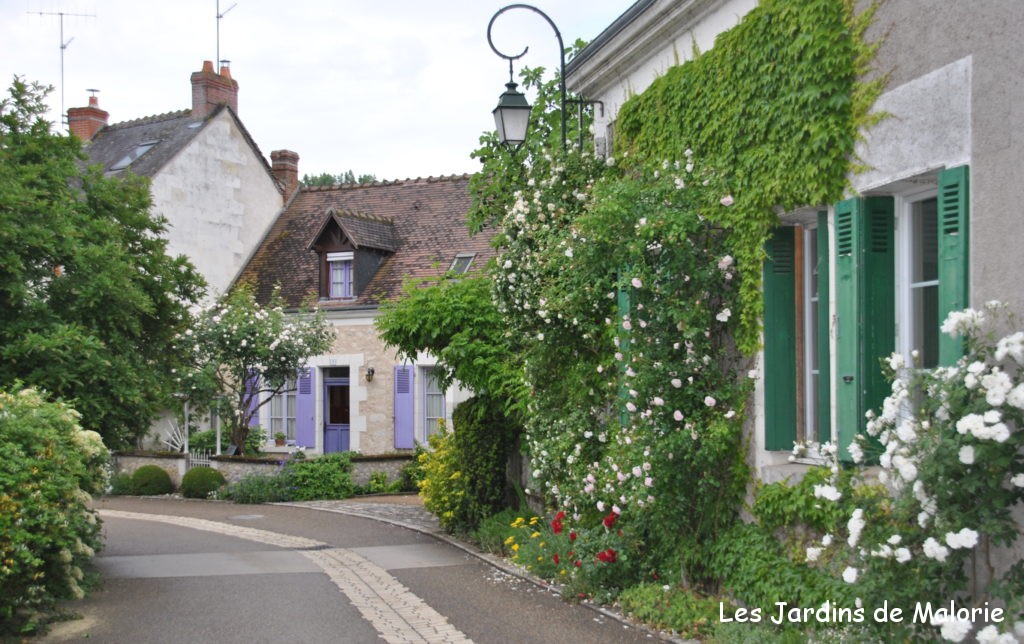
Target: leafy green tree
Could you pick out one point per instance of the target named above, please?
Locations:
(244, 353)
(346, 178)
(456, 321)
(90, 301)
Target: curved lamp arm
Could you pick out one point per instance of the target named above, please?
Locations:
(561, 52)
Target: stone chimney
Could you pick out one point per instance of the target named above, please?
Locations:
(85, 122)
(285, 166)
(211, 90)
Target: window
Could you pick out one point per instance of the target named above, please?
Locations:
(130, 158)
(282, 411)
(340, 271)
(918, 233)
(462, 263)
(433, 403)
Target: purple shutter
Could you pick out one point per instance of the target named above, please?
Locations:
(404, 408)
(252, 384)
(305, 408)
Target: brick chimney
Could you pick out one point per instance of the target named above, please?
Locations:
(210, 90)
(285, 166)
(85, 122)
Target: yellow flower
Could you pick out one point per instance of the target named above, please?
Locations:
(540, 558)
(543, 543)
(518, 523)
(534, 535)
(534, 520)
(510, 541)
(515, 547)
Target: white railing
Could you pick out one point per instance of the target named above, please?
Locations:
(198, 458)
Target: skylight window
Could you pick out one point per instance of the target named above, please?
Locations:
(462, 263)
(130, 158)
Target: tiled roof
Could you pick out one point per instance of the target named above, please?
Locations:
(428, 230)
(365, 231)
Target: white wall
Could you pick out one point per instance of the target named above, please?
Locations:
(219, 200)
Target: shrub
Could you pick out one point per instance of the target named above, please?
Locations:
(671, 608)
(464, 477)
(47, 531)
(151, 480)
(205, 440)
(259, 488)
(326, 477)
(199, 482)
(120, 484)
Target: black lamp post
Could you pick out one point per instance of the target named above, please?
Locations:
(512, 114)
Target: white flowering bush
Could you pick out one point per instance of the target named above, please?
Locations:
(48, 532)
(948, 442)
(242, 353)
(621, 297)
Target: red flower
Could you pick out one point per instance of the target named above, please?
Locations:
(609, 520)
(556, 525)
(577, 563)
(607, 556)
(572, 536)
(555, 559)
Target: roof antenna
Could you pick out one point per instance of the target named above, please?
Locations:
(63, 45)
(221, 14)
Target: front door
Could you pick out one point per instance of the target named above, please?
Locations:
(336, 412)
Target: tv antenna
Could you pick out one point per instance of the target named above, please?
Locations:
(63, 46)
(221, 14)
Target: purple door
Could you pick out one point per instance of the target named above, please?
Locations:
(336, 414)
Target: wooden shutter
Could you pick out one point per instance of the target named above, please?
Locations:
(405, 407)
(305, 408)
(252, 395)
(824, 346)
(780, 341)
(865, 309)
(953, 254)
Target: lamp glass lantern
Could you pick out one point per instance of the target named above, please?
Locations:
(512, 116)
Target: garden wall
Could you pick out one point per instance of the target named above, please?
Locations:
(235, 467)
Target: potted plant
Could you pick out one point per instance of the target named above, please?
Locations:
(279, 438)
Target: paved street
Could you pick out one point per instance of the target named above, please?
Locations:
(191, 571)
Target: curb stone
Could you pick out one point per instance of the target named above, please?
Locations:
(418, 520)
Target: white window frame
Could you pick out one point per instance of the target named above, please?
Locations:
(904, 208)
(810, 333)
(282, 398)
(428, 428)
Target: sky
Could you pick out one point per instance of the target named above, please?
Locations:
(394, 88)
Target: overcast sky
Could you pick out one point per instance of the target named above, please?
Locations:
(395, 88)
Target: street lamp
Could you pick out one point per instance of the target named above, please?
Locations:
(513, 112)
(512, 115)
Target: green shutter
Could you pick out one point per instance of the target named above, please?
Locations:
(625, 305)
(953, 254)
(780, 341)
(823, 348)
(865, 310)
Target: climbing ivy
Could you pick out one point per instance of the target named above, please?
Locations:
(774, 108)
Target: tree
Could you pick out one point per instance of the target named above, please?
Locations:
(347, 178)
(90, 301)
(456, 321)
(243, 354)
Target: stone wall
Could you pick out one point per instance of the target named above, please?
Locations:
(234, 468)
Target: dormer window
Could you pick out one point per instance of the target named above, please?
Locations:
(462, 263)
(351, 247)
(340, 270)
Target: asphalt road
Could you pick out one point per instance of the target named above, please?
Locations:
(193, 571)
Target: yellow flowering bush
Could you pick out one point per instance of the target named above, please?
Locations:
(47, 530)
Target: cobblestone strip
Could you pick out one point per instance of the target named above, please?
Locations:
(399, 616)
